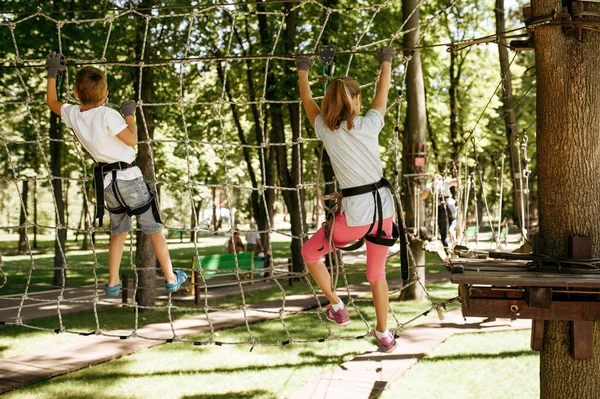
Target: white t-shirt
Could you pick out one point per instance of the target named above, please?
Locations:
(440, 188)
(96, 129)
(355, 159)
(252, 237)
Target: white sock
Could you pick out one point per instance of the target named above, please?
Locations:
(338, 306)
(380, 335)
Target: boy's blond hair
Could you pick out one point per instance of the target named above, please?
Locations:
(90, 84)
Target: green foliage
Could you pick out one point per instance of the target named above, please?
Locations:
(201, 138)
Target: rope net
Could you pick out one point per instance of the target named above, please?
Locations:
(224, 142)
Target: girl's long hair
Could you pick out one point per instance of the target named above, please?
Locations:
(337, 103)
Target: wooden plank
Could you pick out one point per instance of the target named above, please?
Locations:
(527, 279)
(580, 247)
(463, 291)
(582, 341)
(538, 297)
(537, 334)
(560, 310)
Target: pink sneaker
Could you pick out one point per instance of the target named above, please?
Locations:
(388, 342)
(340, 317)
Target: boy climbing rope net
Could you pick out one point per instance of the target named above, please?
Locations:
(109, 140)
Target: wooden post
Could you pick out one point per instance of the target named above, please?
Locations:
(582, 341)
(125, 283)
(537, 335)
(196, 286)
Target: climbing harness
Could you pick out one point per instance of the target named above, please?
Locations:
(102, 169)
(398, 229)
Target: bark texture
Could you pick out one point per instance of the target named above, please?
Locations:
(415, 129)
(510, 122)
(56, 154)
(145, 258)
(568, 154)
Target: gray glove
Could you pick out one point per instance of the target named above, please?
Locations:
(128, 108)
(55, 63)
(386, 53)
(304, 62)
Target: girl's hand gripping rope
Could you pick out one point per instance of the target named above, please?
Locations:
(304, 62)
(386, 53)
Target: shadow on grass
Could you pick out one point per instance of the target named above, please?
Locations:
(475, 356)
(256, 393)
(114, 376)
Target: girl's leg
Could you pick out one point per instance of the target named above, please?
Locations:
(381, 302)
(321, 275)
(376, 258)
(311, 252)
(159, 244)
(318, 245)
(115, 253)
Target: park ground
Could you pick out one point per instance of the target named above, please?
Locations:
(465, 365)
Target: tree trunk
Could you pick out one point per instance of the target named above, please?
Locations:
(214, 208)
(66, 200)
(35, 213)
(86, 223)
(294, 201)
(146, 261)
(414, 141)
(568, 126)
(510, 120)
(195, 216)
(23, 217)
(56, 150)
(453, 94)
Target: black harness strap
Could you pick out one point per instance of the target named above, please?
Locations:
(100, 171)
(398, 230)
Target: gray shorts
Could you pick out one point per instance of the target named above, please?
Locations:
(134, 193)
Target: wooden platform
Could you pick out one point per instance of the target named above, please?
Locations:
(518, 275)
(511, 289)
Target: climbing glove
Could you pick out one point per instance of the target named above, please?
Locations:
(55, 63)
(304, 62)
(128, 108)
(386, 53)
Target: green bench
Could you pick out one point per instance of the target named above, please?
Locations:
(214, 266)
(173, 233)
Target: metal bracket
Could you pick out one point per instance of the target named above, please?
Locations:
(326, 53)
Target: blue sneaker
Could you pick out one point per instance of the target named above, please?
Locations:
(112, 291)
(181, 278)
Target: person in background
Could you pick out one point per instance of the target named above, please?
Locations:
(446, 205)
(253, 240)
(234, 244)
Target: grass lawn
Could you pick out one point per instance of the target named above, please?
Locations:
(230, 371)
(18, 267)
(497, 365)
(16, 340)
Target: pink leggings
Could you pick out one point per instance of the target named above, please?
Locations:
(318, 244)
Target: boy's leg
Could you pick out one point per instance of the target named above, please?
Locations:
(115, 253)
(159, 244)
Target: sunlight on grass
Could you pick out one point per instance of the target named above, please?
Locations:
(472, 366)
(15, 341)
